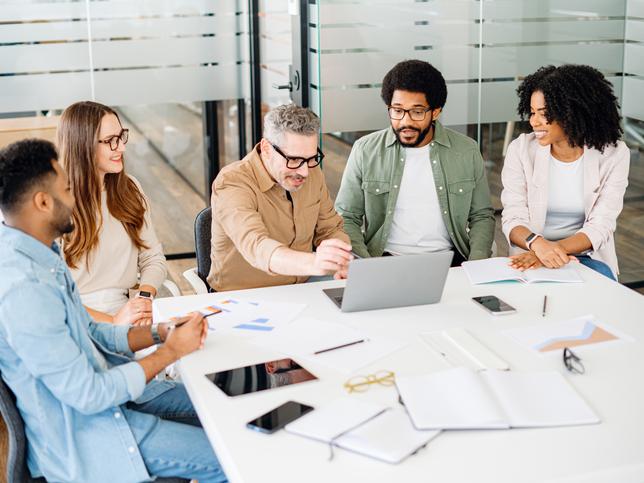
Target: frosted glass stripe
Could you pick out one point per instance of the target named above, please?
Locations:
(635, 8)
(24, 11)
(634, 59)
(136, 8)
(182, 84)
(43, 92)
(522, 32)
(635, 30)
(632, 105)
(505, 9)
(400, 12)
(44, 58)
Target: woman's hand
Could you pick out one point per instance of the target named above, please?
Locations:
(137, 311)
(525, 261)
(551, 254)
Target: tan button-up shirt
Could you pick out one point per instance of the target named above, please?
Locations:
(252, 217)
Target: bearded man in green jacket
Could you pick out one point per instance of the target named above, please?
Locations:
(416, 186)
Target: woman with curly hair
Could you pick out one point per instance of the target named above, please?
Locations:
(564, 183)
(113, 247)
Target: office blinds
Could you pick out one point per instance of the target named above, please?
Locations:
(483, 48)
(121, 52)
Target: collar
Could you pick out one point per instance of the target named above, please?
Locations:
(41, 254)
(440, 136)
(264, 179)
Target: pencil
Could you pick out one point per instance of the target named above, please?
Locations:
(545, 303)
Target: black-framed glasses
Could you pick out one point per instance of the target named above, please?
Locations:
(113, 141)
(296, 162)
(415, 113)
(573, 362)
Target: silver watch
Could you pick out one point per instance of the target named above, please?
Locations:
(154, 331)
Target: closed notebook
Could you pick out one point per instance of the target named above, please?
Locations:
(368, 429)
(498, 270)
(460, 398)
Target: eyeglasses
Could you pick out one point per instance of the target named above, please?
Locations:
(362, 383)
(415, 114)
(295, 163)
(113, 141)
(573, 362)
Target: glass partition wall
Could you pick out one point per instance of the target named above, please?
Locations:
(483, 48)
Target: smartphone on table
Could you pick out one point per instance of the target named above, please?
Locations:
(279, 417)
(494, 305)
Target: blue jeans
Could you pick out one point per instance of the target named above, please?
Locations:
(171, 440)
(596, 265)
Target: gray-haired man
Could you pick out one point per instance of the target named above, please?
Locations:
(271, 209)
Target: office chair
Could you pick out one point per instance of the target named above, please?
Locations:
(17, 471)
(197, 276)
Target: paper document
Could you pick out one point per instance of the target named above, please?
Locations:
(306, 336)
(582, 331)
(498, 270)
(229, 313)
(460, 398)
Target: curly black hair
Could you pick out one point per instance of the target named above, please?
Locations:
(580, 99)
(24, 165)
(415, 76)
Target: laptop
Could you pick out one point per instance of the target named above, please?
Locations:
(397, 281)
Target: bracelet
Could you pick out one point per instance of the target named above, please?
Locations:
(154, 331)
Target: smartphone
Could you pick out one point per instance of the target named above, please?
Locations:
(279, 417)
(494, 305)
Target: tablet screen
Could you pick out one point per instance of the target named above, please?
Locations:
(259, 377)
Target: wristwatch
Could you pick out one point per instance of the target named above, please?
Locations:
(154, 331)
(530, 238)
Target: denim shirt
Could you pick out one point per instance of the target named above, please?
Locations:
(69, 374)
(372, 178)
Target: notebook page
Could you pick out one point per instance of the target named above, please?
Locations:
(389, 437)
(567, 273)
(453, 399)
(491, 270)
(339, 416)
(538, 399)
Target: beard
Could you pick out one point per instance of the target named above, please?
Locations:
(62, 223)
(421, 135)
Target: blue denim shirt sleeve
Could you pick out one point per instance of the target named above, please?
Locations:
(36, 329)
(112, 337)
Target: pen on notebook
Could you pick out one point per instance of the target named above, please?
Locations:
(545, 303)
(339, 346)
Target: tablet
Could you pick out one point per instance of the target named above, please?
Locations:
(260, 377)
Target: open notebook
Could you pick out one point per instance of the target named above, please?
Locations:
(498, 270)
(373, 430)
(460, 398)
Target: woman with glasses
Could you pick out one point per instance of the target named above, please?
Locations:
(564, 183)
(113, 247)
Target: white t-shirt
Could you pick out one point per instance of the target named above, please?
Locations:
(417, 225)
(565, 215)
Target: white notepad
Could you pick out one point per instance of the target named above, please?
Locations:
(368, 429)
(460, 398)
(498, 270)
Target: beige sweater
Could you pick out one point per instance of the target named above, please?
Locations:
(115, 262)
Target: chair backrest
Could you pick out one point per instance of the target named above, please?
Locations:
(17, 471)
(203, 221)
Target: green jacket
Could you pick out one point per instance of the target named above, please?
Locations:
(369, 191)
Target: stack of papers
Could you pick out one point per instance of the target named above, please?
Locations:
(498, 270)
(363, 427)
(460, 398)
(305, 338)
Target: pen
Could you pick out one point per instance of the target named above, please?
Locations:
(339, 346)
(545, 303)
(355, 255)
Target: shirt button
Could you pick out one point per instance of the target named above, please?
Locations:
(395, 186)
(131, 449)
(52, 270)
(440, 187)
(117, 415)
(377, 190)
(389, 212)
(444, 212)
(460, 190)
(62, 287)
(432, 143)
(434, 161)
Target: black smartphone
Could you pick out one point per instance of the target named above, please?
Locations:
(494, 305)
(279, 417)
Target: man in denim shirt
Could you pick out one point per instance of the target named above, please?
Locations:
(416, 187)
(91, 413)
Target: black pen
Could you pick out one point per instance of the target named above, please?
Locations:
(545, 302)
(339, 346)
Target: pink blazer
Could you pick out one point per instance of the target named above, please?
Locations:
(525, 192)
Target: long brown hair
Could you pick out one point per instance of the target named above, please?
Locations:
(78, 132)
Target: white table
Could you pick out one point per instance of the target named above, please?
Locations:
(613, 385)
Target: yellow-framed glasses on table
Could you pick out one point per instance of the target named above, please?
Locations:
(362, 383)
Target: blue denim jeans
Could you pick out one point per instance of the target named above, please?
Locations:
(171, 440)
(596, 265)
